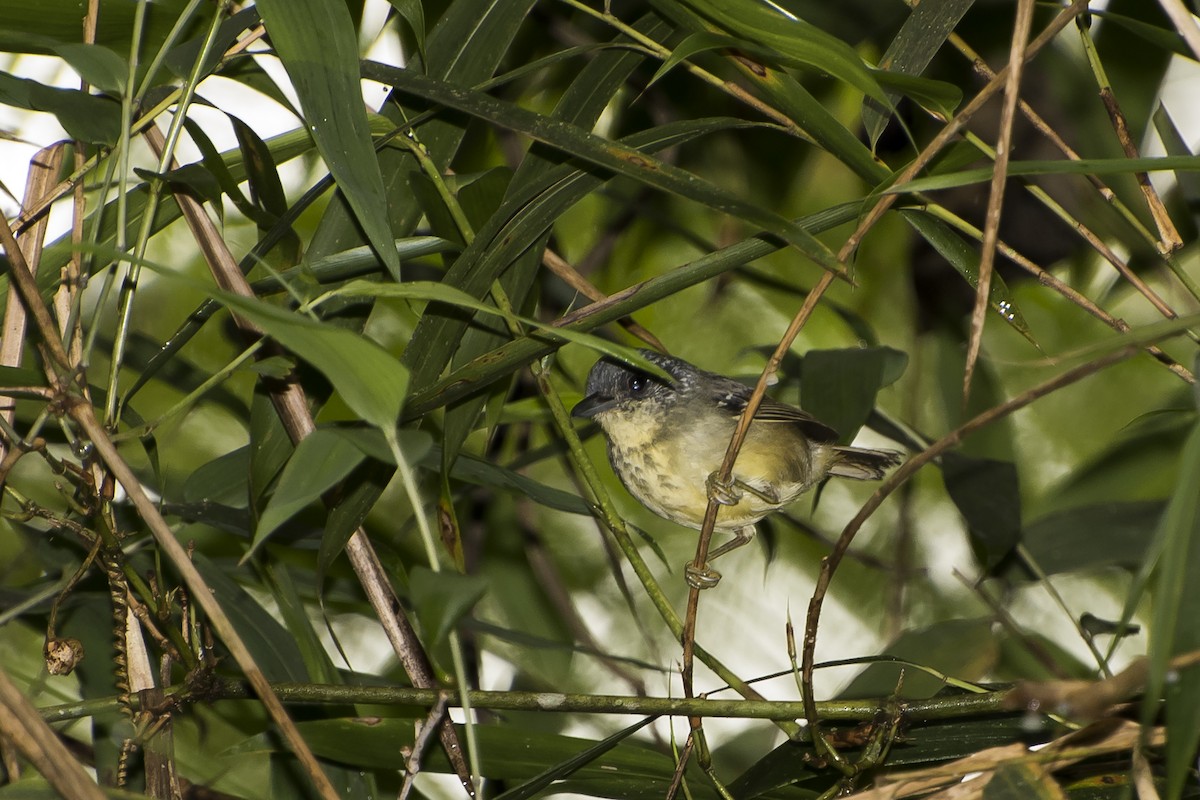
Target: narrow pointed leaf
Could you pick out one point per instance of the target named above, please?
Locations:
(615, 156)
(1173, 629)
(320, 461)
(987, 493)
(839, 386)
(914, 46)
(97, 65)
(369, 379)
(317, 43)
(769, 24)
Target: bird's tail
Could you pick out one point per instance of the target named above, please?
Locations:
(862, 464)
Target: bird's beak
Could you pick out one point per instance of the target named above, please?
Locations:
(592, 405)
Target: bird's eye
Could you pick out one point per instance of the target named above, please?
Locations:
(638, 384)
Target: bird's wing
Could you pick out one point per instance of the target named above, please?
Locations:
(733, 397)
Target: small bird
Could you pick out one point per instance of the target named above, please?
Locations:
(667, 440)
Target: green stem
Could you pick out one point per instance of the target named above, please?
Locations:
(937, 708)
(129, 290)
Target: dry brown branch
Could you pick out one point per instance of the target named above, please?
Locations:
(292, 407)
(991, 228)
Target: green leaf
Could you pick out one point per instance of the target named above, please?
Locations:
(369, 379)
(769, 24)
(620, 158)
(570, 766)
(413, 14)
(295, 616)
(839, 387)
(270, 447)
(88, 117)
(1159, 38)
(920, 37)
(261, 171)
(318, 45)
(350, 510)
(273, 648)
(97, 65)
(484, 473)
(441, 599)
(938, 96)
(1083, 166)
(320, 461)
(960, 648)
(39, 27)
(700, 42)
(1090, 537)
(988, 495)
(965, 260)
(1173, 629)
(221, 481)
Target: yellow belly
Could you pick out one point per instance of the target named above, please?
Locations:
(669, 474)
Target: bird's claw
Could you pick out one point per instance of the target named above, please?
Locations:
(727, 493)
(700, 578)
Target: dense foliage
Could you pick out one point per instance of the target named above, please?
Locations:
(288, 473)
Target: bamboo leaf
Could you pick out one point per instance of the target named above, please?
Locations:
(1173, 629)
(839, 386)
(770, 24)
(1084, 166)
(920, 37)
(320, 461)
(97, 65)
(987, 493)
(369, 379)
(440, 292)
(318, 45)
(620, 158)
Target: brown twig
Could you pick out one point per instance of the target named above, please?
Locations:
(1049, 280)
(43, 169)
(1168, 237)
(563, 269)
(991, 227)
(23, 726)
(291, 405)
(424, 734)
(83, 415)
(735, 445)
(830, 563)
(956, 124)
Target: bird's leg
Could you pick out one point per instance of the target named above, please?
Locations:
(765, 493)
(706, 577)
(730, 492)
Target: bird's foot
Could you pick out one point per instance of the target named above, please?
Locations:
(700, 578)
(727, 493)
